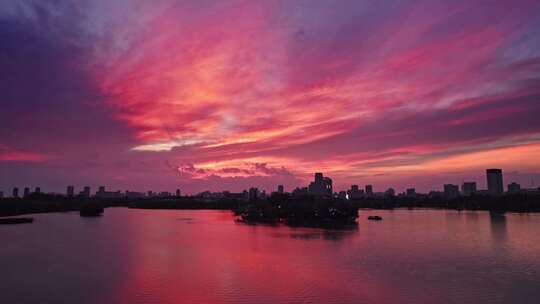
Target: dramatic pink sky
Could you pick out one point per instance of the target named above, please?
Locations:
(223, 95)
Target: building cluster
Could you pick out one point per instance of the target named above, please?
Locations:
(321, 186)
(101, 193)
(495, 187)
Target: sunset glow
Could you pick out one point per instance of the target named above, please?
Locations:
(222, 95)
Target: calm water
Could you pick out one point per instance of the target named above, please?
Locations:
(145, 256)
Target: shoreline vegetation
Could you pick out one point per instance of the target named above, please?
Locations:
(306, 211)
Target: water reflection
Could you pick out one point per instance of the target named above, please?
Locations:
(498, 227)
(140, 256)
(329, 235)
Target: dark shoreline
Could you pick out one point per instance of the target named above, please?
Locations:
(518, 203)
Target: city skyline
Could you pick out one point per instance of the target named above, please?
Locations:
(228, 95)
(320, 186)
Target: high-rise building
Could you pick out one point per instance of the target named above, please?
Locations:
(369, 190)
(1, 194)
(26, 192)
(38, 190)
(390, 192)
(322, 186)
(468, 188)
(253, 193)
(495, 181)
(280, 189)
(178, 192)
(514, 188)
(411, 192)
(451, 191)
(15, 192)
(355, 192)
(70, 191)
(85, 192)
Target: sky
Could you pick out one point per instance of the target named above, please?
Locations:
(224, 95)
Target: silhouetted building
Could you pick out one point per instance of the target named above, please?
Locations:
(253, 193)
(514, 188)
(355, 192)
(411, 192)
(107, 194)
(37, 190)
(131, 194)
(435, 194)
(300, 191)
(280, 189)
(26, 192)
(322, 186)
(1, 194)
(369, 190)
(178, 192)
(150, 194)
(468, 188)
(85, 192)
(70, 191)
(15, 192)
(451, 191)
(164, 194)
(390, 192)
(495, 181)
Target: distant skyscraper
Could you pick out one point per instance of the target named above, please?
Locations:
(451, 191)
(15, 192)
(253, 193)
(369, 190)
(411, 192)
(495, 181)
(70, 191)
(321, 186)
(85, 192)
(1, 194)
(178, 193)
(514, 188)
(26, 192)
(468, 188)
(280, 189)
(390, 192)
(355, 192)
(38, 190)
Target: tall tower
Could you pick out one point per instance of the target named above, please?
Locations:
(369, 190)
(495, 181)
(70, 191)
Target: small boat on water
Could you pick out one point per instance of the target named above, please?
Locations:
(16, 220)
(374, 218)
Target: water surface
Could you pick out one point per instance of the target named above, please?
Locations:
(170, 256)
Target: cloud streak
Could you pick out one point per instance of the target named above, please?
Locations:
(237, 90)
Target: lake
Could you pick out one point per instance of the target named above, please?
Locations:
(177, 256)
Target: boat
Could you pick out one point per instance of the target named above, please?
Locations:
(374, 218)
(16, 220)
